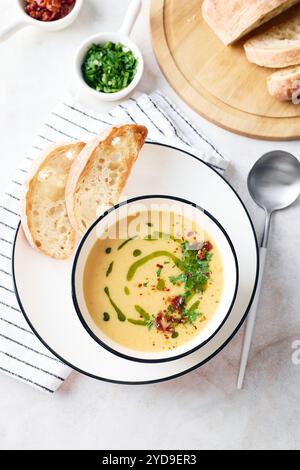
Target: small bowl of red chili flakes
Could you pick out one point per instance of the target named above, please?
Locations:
(50, 15)
(48, 10)
(52, 12)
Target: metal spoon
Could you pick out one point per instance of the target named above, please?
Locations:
(274, 184)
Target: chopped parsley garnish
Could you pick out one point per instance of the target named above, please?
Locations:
(109, 67)
(195, 272)
(150, 323)
(192, 314)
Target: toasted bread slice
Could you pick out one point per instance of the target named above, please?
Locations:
(233, 19)
(285, 84)
(43, 210)
(99, 174)
(278, 47)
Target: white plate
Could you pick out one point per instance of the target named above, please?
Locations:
(43, 285)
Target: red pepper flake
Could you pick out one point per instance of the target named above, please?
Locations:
(140, 285)
(160, 266)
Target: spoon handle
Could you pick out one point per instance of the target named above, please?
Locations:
(251, 320)
(11, 29)
(130, 17)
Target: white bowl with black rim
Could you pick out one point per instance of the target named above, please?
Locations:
(204, 220)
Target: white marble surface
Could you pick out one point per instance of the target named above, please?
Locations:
(202, 409)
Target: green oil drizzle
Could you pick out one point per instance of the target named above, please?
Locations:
(106, 316)
(156, 254)
(160, 236)
(119, 312)
(137, 253)
(189, 297)
(137, 322)
(194, 306)
(142, 312)
(125, 242)
(161, 285)
(110, 268)
(126, 290)
(108, 251)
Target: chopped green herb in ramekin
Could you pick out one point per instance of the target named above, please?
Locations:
(109, 67)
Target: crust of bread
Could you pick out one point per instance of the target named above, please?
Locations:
(81, 166)
(272, 58)
(278, 46)
(285, 84)
(26, 194)
(233, 19)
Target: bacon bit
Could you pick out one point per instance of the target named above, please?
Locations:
(160, 322)
(48, 10)
(177, 303)
(201, 255)
(206, 247)
(172, 319)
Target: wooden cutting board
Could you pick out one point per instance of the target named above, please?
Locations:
(217, 81)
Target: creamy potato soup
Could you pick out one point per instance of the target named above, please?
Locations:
(156, 291)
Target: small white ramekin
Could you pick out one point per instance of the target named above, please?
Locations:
(26, 20)
(121, 36)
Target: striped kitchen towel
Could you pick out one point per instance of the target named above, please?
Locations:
(22, 355)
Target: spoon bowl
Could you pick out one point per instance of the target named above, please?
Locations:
(274, 181)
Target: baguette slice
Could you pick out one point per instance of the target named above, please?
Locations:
(278, 47)
(99, 174)
(285, 84)
(233, 19)
(43, 210)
